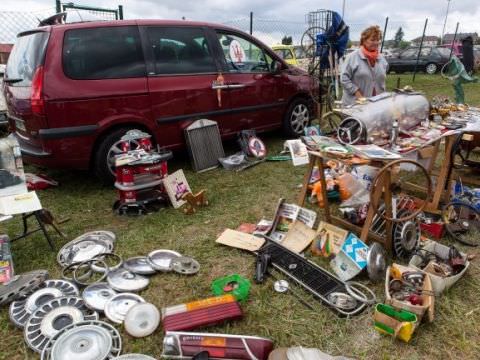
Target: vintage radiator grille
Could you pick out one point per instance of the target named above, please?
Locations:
(306, 274)
(204, 144)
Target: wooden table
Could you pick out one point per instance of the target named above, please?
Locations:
(441, 191)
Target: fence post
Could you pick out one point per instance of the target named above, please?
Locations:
(120, 12)
(58, 6)
(420, 50)
(384, 34)
(251, 22)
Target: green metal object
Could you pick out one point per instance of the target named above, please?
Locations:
(106, 13)
(455, 72)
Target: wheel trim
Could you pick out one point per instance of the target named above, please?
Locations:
(299, 118)
(431, 68)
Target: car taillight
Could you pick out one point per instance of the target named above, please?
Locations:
(36, 99)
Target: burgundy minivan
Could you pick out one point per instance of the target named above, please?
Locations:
(73, 90)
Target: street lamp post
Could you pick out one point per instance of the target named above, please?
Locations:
(445, 22)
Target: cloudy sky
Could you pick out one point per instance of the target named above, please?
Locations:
(290, 15)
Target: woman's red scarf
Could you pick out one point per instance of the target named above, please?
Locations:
(371, 56)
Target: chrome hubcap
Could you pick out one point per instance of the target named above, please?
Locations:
(432, 68)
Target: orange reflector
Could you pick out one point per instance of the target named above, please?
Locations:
(214, 341)
(217, 300)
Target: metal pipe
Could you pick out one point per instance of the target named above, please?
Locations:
(251, 22)
(453, 42)
(120, 12)
(420, 50)
(384, 33)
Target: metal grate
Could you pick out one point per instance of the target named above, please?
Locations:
(204, 144)
(313, 276)
(308, 275)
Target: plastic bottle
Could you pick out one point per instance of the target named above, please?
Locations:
(6, 261)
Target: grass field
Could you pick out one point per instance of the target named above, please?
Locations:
(236, 198)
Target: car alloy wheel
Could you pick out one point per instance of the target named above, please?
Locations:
(299, 118)
(431, 69)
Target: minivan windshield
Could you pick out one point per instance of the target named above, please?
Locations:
(27, 54)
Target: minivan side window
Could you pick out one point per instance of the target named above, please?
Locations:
(242, 55)
(103, 53)
(180, 50)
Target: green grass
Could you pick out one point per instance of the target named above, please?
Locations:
(236, 198)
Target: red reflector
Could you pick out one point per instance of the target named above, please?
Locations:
(36, 99)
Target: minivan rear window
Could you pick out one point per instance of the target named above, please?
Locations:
(103, 53)
(27, 54)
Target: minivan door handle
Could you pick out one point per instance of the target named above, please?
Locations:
(236, 86)
(218, 86)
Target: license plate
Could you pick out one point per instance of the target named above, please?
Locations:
(20, 125)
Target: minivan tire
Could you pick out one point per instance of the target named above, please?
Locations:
(100, 160)
(296, 118)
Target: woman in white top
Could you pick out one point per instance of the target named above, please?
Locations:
(364, 70)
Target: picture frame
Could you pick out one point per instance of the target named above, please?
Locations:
(298, 151)
(176, 186)
(329, 239)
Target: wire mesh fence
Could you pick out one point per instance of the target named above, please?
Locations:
(272, 31)
(14, 22)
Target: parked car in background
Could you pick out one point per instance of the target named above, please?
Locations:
(430, 61)
(73, 90)
(287, 53)
(302, 58)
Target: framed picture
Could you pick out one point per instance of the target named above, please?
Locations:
(176, 186)
(299, 152)
(329, 240)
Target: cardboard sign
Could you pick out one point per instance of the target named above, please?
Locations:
(240, 240)
(298, 237)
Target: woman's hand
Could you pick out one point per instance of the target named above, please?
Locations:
(358, 94)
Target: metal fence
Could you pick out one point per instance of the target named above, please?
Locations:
(14, 22)
(272, 31)
(102, 13)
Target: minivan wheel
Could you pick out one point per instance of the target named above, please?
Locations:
(431, 68)
(104, 166)
(296, 118)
